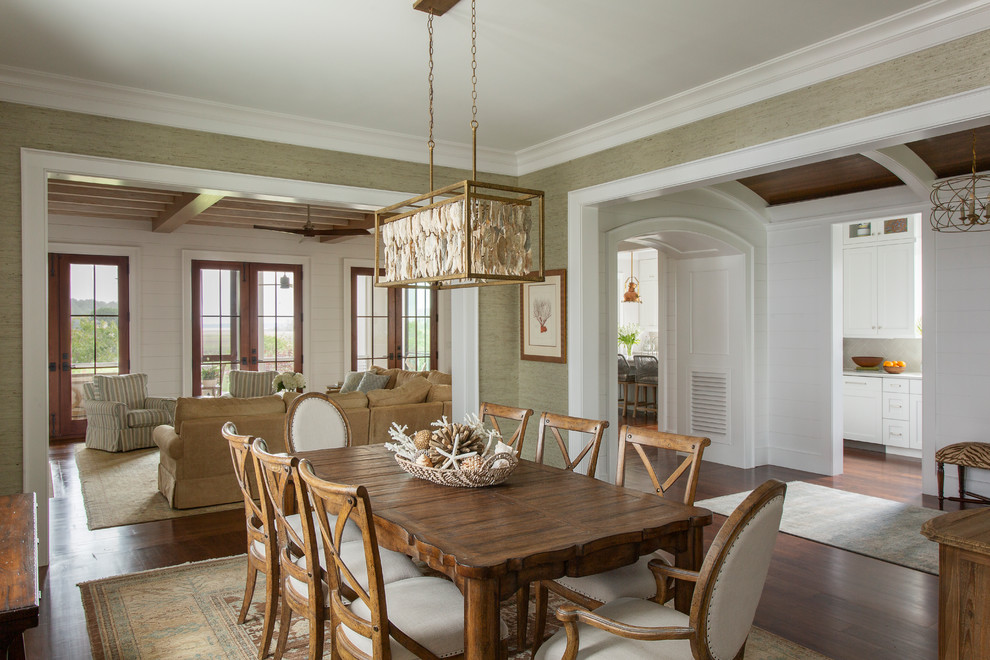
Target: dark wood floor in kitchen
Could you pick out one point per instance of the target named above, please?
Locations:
(838, 603)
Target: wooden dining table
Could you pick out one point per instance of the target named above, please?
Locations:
(541, 523)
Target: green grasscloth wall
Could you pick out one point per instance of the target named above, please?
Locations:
(934, 73)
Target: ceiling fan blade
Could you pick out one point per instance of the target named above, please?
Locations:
(286, 230)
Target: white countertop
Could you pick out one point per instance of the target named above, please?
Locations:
(881, 373)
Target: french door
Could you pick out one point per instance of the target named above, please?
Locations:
(88, 319)
(392, 327)
(246, 316)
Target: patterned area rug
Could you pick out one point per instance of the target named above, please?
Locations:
(122, 489)
(190, 611)
(870, 526)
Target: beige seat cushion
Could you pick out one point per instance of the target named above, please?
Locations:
(395, 566)
(414, 390)
(632, 581)
(428, 609)
(597, 643)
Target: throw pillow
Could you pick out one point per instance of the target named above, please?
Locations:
(372, 381)
(351, 381)
(414, 390)
(441, 393)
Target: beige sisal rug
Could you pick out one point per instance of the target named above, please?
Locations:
(122, 489)
(190, 611)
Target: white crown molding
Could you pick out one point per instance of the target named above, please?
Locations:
(928, 25)
(911, 31)
(63, 93)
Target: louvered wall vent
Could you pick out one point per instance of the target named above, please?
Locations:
(709, 403)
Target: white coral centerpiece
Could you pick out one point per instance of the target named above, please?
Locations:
(451, 445)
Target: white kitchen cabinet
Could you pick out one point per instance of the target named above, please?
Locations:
(915, 415)
(862, 401)
(879, 231)
(878, 290)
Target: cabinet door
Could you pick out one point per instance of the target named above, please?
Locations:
(915, 422)
(895, 290)
(860, 233)
(895, 229)
(896, 406)
(859, 292)
(861, 409)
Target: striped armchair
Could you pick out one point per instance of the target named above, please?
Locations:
(120, 415)
(245, 384)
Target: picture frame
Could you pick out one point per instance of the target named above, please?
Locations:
(543, 318)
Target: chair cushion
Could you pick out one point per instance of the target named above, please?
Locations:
(146, 417)
(129, 389)
(414, 390)
(246, 384)
(632, 581)
(597, 643)
(428, 609)
(372, 381)
(968, 454)
(351, 381)
(395, 566)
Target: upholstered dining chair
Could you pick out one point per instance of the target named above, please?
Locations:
(304, 588)
(120, 416)
(627, 383)
(493, 412)
(726, 594)
(635, 580)
(420, 617)
(313, 422)
(647, 383)
(262, 547)
(245, 384)
(593, 429)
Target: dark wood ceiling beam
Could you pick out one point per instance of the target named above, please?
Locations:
(185, 208)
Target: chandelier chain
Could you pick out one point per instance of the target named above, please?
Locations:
(474, 66)
(431, 143)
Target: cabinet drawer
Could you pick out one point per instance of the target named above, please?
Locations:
(896, 385)
(896, 406)
(861, 384)
(896, 433)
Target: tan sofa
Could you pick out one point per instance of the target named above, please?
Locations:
(410, 398)
(194, 466)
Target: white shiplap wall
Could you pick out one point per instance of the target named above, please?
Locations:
(798, 356)
(157, 272)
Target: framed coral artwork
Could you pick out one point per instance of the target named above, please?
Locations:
(543, 318)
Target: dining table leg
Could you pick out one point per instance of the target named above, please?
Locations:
(482, 620)
(690, 559)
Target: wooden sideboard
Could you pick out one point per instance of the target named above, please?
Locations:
(963, 584)
(18, 571)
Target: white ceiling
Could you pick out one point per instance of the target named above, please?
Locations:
(549, 71)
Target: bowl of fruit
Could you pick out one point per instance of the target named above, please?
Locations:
(867, 361)
(894, 366)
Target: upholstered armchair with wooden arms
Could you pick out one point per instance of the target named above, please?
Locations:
(120, 416)
(727, 592)
(247, 384)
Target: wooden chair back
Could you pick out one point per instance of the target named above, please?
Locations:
(492, 412)
(314, 421)
(733, 574)
(595, 428)
(277, 476)
(692, 446)
(259, 526)
(344, 503)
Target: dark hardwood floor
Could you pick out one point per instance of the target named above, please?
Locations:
(838, 603)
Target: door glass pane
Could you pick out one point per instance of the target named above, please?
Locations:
(219, 326)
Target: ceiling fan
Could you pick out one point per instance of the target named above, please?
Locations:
(308, 230)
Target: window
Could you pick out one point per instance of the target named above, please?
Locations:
(246, 316)
(392, 327)
(88, 332)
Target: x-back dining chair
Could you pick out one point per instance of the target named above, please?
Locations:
(595, 429)
(262, 546)
(492, 412)
(313, 422)
(419, 617)
(636, 580)
(301, 565)
(727, 592)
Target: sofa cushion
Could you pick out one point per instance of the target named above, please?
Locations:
(351, 381)
(391, 373)
(415, 390)
(187, 408)
(372, 381)
(130, 389)
(441, 393)
(439, 378)
(350, 400)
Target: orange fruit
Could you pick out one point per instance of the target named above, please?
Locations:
(888, 363)
(900, 363)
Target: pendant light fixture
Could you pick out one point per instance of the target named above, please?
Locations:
(466, 234)
(961, 203)
(632, 285)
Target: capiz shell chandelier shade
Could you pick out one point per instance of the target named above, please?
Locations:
(478, 234)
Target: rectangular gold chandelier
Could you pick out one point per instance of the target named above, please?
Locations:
(466, 234)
